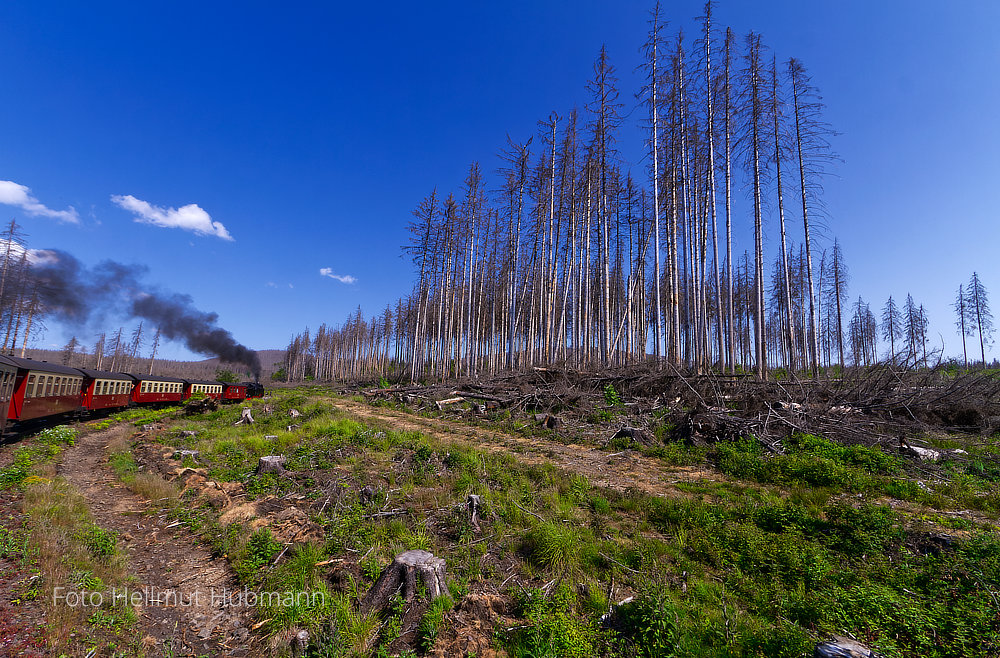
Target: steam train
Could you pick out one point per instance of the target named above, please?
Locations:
(32, 390)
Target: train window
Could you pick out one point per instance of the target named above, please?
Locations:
(60, 386)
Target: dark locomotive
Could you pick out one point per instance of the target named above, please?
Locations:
(32, 390)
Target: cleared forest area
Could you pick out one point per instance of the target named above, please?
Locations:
(553, 513)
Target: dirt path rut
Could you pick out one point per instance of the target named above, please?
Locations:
(618, 471)
(177, 576)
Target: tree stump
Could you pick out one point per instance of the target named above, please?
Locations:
(271, 464)
(246, 417)
(294, 413)
(300, 643)
(548, 421)
(403, 572)
(633, 433)
(843, 647)
(200, 406)
(474, 503)
(181, 454)
(367, 495)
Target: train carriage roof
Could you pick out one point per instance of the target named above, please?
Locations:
(202, 381)
(105, 374)
(44, 366)
(228, 384)
(7, 361)
(155, 378)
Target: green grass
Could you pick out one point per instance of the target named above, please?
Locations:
(763, 564)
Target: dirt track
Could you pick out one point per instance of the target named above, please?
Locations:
(178, 571)
(618, 471)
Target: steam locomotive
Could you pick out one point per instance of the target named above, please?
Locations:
(32, 390)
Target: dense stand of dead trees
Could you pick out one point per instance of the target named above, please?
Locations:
(570, 258)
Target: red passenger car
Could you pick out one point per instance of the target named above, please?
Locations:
(210, 389)
(44, 389)
(156, 389)
(8, 375)
(105, 390)
(234, 392)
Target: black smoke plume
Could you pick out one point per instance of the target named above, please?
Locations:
(73, 294)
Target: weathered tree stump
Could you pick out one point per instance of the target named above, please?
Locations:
(271, 464)
(200, 406)
(633, 433)
(300, 643)
(843, 647)
(181, 454)
(548, 421)
(246, 417)
(474, 503)
(403, 572)
(294, 413)
(367, 495)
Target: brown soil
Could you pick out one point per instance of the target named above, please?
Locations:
(179, 618)
(22, 618)
(619, 470)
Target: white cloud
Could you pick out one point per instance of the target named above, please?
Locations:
(33, 256)
(328, 271)
(190, 217)
(13, 194)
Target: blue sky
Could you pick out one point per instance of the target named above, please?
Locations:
(296, 138)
